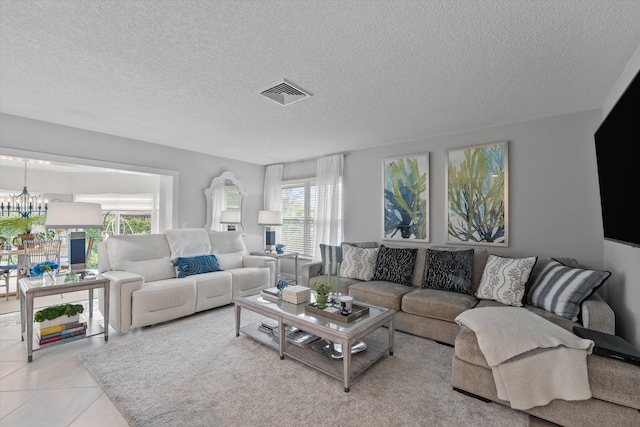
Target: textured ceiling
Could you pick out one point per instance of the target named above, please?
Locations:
(187, 73)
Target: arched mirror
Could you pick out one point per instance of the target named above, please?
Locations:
(225, 203)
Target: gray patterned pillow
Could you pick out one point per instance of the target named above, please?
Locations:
(358, 263)
(395, 264)
(504, 278)
(561, 289)
(449, 270)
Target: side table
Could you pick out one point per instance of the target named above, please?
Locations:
(32, 287)
(278, 256)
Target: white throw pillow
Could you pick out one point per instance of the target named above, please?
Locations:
(188, 242)
(504, 279)
(358, 263)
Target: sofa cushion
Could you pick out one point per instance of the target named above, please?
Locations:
(196, 265)
(151, 270)
(437, 304)
(230, 260)
(380, 294)
(331, 256)
(504, 279)
(358, 263)
(188, 242)
(449, 270)
(561, 289)
(395, 264)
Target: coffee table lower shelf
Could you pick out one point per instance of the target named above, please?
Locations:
(317, 360)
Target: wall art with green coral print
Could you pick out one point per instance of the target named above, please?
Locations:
(477, 195)
(406, 198)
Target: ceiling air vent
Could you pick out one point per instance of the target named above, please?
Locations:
(284, 93)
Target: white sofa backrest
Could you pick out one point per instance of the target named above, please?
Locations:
(145, 254)
(229, 248)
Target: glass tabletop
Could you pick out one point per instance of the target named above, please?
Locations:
(298, 310)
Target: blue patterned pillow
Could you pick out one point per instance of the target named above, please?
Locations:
(561, 289)
(196, 265)
(449, 270)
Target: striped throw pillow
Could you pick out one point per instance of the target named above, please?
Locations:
(331, 255)
(561, 289)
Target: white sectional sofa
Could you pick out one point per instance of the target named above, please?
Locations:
(145, 285)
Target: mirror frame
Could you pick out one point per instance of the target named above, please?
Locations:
(220, 181)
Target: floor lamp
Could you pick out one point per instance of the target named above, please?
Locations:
(74, 215)
(269, 219)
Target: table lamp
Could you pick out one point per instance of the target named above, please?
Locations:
(270, 219)
(231, 218)
(75, 215)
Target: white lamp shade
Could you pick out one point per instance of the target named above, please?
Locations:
(230, 217)
(74, 215)
(269, 218)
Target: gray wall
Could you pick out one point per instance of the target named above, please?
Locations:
(553, 189)
(195, 170)
(623, 287)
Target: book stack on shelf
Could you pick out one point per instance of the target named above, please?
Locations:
(294, 335)
(271, 294)
(49, 334)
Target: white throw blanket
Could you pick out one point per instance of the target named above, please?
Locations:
(533, 360)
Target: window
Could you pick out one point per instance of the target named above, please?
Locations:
(298, 213)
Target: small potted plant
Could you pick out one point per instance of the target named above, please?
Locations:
(58, 315)
(323, 290)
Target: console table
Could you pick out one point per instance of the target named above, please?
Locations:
(33, 287)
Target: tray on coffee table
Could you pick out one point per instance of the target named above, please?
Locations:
(357, 311)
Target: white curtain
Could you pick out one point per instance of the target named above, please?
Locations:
(217, 206)
(273, 187)
(329, 215)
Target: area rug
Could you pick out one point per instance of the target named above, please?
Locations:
(196, 372)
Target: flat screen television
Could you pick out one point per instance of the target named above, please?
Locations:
(617, 139)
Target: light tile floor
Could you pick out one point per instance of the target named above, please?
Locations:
(55, 389)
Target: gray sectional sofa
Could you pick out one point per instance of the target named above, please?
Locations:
(147, 288)
(432, 312)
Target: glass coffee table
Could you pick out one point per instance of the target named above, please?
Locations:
(337, 335)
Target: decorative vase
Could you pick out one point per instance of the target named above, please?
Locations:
(321, 301)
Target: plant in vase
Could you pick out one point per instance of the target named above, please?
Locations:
(46, 267)
(322, 294)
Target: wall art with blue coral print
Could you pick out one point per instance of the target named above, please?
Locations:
(477, 195)
(406, 198)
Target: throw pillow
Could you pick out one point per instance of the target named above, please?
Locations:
(449, 270)
(504, 279)
(358, 263)
(561, 289)
(196, 265)
(331, 255)
(395, 264)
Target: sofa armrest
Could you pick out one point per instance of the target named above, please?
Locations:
(261, 261)
(122, 284)
(597, 315)
(309, 270)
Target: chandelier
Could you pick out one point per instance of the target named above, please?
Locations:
(24, 204)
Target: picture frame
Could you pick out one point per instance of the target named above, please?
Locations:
(405, 196)
(477, 190)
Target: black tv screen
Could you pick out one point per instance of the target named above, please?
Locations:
(617, 141)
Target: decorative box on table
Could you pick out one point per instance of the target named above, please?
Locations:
(296, 294)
